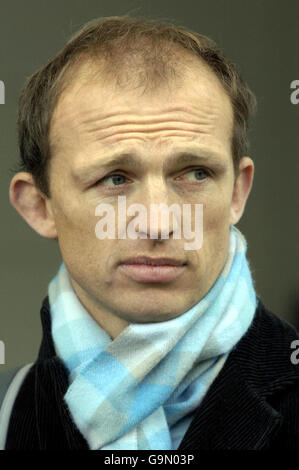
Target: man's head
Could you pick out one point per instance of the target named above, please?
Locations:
(151, 93)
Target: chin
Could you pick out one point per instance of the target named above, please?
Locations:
(152, 315)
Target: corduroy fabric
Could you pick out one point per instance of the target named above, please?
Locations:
(252, 404)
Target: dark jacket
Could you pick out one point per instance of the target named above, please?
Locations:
(252, 404)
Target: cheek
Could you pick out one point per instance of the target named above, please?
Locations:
(216, 222)
(216, 213)
(86, 257)
(76, 230)
(80, 248)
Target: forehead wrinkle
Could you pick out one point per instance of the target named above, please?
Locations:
(129, 131)
(183, 111)
(117, 124)
(149, 126)
(166, 135)
(117, 127)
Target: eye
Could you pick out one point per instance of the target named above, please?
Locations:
(200, 174)
(116, 178)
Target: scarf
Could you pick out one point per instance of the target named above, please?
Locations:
(139, 390)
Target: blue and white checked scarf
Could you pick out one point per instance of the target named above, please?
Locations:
(139, 391)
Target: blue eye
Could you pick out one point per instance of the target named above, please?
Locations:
(116, 178)
(199, 171)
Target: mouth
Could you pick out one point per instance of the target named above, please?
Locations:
(158, 270)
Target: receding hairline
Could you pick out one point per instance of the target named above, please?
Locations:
(94, 67)
(134, 69)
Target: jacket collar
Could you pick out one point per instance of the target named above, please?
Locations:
(236, 411)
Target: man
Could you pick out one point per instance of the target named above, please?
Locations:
(146, 344)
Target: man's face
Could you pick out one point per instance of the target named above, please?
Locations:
(91, 124)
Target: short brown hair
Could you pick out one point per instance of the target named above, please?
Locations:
(117, 39)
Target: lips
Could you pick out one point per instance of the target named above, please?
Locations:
(154, 261)
(157, 270)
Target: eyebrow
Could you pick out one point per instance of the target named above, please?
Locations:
(131, 160)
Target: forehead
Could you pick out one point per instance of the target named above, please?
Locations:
(89, 102)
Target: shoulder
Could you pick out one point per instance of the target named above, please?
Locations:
(6, 378)
(266, 360)
(267, 352)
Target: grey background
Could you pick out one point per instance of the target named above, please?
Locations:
(261, 37)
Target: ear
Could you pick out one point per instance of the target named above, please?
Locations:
(32, 204)
(242, 187)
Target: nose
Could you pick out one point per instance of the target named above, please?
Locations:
(160, 213)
